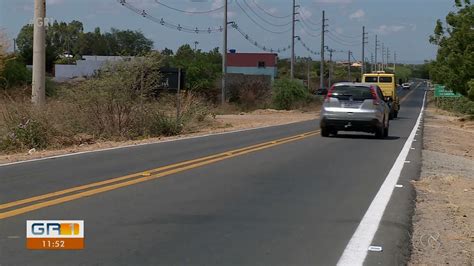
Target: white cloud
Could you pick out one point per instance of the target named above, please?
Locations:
(358, 14)
(54, 2)
(305, 13)
(333, 1)
(386, 29)
(220, 14)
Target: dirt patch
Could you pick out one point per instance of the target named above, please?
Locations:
(443, 224)
(221, 123)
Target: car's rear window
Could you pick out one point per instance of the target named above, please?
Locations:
(385, 79)
(357, 93)
(371, 79)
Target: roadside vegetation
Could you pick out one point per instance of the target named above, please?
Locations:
(118, 104)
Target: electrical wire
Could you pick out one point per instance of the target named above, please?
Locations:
(303, 21)
(258, 24)
(256, 43)
(340, 41)
(310, 34)
(168, 24)
(307, 47)
(344, 36)
(263, 19)
(311, 22)
(190, 12)
(269, 13)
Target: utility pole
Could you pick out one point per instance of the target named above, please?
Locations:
(323, 31)
(364, 42)
(224, 54)
(372, 62)
(383, 58)
(376, 49)
(38, 96)
(14, 46)
(388, 57)
(308, 70)
(394, 61)
(293, 41)
(349, 65)
(330, 66)
(195, 45)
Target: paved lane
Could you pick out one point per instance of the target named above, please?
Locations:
(296, 203)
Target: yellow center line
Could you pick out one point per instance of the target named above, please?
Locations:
(139, 177)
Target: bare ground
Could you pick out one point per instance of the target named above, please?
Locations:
(443, 224)
(221, 123)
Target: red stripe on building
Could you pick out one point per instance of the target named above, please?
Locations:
(251, 59)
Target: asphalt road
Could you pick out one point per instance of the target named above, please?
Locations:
(290, 201)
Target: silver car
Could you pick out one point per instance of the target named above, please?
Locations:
(355, 107)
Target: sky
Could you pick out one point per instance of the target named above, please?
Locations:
(403, 26)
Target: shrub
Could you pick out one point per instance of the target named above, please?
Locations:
(458, 105)
(288, 93)
(14, 73)
(24, 130)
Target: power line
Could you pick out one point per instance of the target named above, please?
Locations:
(306, 47)
(317, 35)
(311, 22)
(269, 13)
(263, 19)
(303, 21)
(340, 35)
(256, 43)
(168, 24)
(341, 42)
(189, 12)
(258, 24)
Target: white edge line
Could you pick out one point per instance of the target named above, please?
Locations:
(356, 250)
(150, 143)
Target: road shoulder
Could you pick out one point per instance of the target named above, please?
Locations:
(443, 223)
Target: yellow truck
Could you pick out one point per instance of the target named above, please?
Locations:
(387, 84)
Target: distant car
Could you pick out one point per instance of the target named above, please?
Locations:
(406, 86)
(321, 92)
(355, 107)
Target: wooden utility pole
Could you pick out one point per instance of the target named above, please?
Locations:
(38, 96)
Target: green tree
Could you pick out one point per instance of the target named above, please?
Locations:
(202, 68)
(454, 65)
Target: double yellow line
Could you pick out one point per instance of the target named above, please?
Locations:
(54, 198)
(34, 203)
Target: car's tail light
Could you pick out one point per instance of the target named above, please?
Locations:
(329, 94)
(376, 100)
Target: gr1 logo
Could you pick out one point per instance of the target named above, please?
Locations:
(55, 234)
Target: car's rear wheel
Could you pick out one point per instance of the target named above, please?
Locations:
(385, 133)
(324, 132)
(380, 132)
(395, 114)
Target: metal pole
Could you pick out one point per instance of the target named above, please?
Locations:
(309, 87)
(224, 54)
(292, 71)
(376, 52)
(362, 69)
(383, 58)
(38, 96)
(14, 46)
(394, 61)
(330, 67)
(349, 65)
(178, 95)
(321, 68)
(388, 57)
